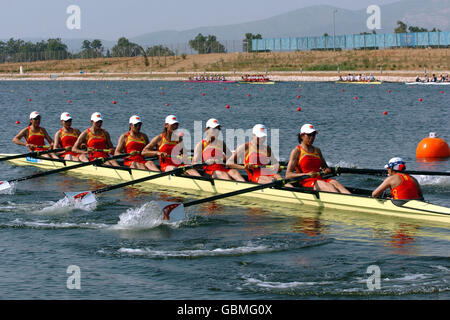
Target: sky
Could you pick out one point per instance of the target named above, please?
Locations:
(111, 19)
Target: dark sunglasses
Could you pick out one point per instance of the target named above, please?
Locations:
(313, 134)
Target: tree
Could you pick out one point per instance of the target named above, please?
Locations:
(247, 43)
(417, 29)
(159, 51)
(125, 48)
(208, 44)
(401, 27)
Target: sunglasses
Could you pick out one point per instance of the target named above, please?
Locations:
(313, 134)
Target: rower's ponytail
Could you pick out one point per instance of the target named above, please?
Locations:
(299, 138)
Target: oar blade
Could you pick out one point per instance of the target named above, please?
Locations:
(171, 211)
(84, 197)
(5, 185)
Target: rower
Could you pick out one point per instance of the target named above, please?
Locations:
(133, 142)
(169, 145)
(402, 185)
(35, 136)
(305, 159)
(97, 140)
(213, 151)
(256, 156)
(66, 138)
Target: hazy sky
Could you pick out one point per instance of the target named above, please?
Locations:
(111, 19)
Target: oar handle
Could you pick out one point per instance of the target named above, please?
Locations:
(97, 161)
(32, 154)
(276, 183)
(178, 170)
(380, 172)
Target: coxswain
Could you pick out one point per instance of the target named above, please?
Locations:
(402, 185)
(35, 136)
(305, 159)
(169, 147)
(97, 141)
(66, 138)
(133, 142)
(257, 158)
(213, 151)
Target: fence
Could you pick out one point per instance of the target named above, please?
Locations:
(354, 41)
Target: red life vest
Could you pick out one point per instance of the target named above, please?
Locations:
(36, 138)
(97, 142)
(134, 144)
(68, 139)
(167, 146)
(407, 189)
(213, 152)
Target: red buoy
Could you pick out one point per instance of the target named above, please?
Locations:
(299, 109)
(203, 94)
(356, 98)
(249, 95)
(298, 97)
(70, 101)
(342, 90)
(167, 104)
(29, 100)
(420, 99)
(385, 112)
(432, 147)
(389, 90)
(114, 102)
(227, 106)
(17, 122)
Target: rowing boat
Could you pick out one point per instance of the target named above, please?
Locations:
(360, 82)
(428, 83)
(411, 209)
(209, 81)
(258, 82)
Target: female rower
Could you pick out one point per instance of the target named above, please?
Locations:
(213, 152)
(168, 147)
(256, 156)
(305, 159)
(403, 186)
(97, 140)
(66, 137)
(35, 136)
(133, 142)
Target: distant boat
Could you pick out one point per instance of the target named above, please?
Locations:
(258, 82)
(209, 81)
(428, 83)
(360, 82)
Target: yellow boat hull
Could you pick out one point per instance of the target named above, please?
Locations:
(413, 209)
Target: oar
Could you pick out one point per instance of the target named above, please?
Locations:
(32, 154)
(381, 172)
(88, 197)
(174, 210)
(6, 184)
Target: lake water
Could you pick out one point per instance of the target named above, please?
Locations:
(235, 248)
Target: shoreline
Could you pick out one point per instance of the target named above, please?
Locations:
(408, 76)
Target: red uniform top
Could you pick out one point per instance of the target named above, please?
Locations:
(213, 152)
(134, 144)
(257, 157)
(68, 139)
(36, 138)
(167, 146)
(307, 162)
(407, 189)
(97, 142)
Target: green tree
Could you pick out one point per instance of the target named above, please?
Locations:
(125, 48)
(207, 44)
(159, 51)
(401, 27)
(247, 43)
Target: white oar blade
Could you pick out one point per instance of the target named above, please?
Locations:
(4, 185)
(171, 211)
(85, 197)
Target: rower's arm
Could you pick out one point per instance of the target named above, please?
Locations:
(82, 139)
(324, 166)
(149, 151)
(47, 137)
(57, 141)
(109, 144)
(383, 186)
(232, 162)
(197, 153)
(120, 145)
(290, 170)
(18, 138)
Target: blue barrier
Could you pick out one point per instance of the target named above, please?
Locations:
(354, 41)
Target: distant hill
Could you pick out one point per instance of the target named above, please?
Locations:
(309, 21)
(315, 21)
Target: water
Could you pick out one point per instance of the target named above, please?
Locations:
(235, 248)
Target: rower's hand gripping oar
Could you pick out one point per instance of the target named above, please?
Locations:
(383, 172)
(32, 154)
(88, 197)
(174, 211)
(7, 184)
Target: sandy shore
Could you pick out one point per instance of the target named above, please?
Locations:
(397, 76)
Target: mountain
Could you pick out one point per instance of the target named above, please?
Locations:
(315, 21)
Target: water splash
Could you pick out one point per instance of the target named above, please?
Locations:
(433, 180)
(66, 205)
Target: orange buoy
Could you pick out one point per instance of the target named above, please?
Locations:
(432, 147)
